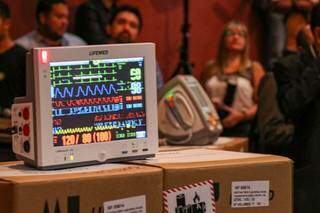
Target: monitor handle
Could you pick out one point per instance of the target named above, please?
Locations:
(174, 114)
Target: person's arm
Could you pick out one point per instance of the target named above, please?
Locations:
(258, 73)
(205, 74)
(274, 132)
(298, 85)
(235, 116)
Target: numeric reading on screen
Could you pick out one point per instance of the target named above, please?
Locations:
(97, 101)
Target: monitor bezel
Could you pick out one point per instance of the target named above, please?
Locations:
(47, 153)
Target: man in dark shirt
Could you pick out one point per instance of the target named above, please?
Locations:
(12, 64)
(91, 20)
(298, 78)
(52, 18)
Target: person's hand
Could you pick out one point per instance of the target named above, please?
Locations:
(217, 103)
(308, 34)
(234, 117)
(213, 120)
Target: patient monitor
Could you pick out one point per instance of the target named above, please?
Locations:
(186, 114)
(86, 105)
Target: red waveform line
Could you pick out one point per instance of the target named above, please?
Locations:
(118, 116)
(108, 117)
(87, 101)
(140, 114)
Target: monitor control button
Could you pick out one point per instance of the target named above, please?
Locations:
(26, 113)
(26, 130)
(102, 156)
(26, 146)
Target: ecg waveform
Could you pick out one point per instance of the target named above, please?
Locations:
(97, 101)
(88, 101)
(59, 131)
(132, 123)
(128, 124)
(83, 91)
(118, 116)
(87, 110)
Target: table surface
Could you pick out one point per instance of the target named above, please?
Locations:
(223, 143)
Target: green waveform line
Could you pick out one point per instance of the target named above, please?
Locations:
(90, 81)
(54, 77)
(103, 66)
(61, 83)
(124, 89)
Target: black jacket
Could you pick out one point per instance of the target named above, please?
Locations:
(275, 133)
(298, 79)
(91, 21)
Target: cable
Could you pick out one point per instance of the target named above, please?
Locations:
(9, 131)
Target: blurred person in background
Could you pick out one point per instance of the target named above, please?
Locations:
(232, 80)
(298, 80)
(272, 19)
(124, 27)
(91, 20)
(12, 64)
(53, 20)
(297, 16)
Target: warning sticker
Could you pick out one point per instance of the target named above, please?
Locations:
(250, 194)
(197, 197)
(128, 205)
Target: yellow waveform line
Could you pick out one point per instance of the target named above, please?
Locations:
(104, 127)
(74, 130)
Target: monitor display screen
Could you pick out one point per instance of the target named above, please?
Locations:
(97, 101)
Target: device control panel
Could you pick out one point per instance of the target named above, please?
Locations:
(22, 121)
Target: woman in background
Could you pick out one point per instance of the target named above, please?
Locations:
(232, 80)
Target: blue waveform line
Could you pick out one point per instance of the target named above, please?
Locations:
(130, 123)
(82, 91)
(87, 110)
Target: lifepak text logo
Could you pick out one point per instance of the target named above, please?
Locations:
(99, 52)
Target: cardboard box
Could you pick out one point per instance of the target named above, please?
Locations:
(236, 144)
(93, 189)
(226, 182)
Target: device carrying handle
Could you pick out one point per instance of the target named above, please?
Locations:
(175, 116)
(177, 119)
(186, 105)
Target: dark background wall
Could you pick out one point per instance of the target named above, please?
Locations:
(162, 24)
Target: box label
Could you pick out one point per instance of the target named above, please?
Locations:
(250, 194)
(197, 197)
(128, 205)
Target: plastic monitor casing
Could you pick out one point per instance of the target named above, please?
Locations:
(192, 119)
(43, 154)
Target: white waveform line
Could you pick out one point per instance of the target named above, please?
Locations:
(87, 77)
